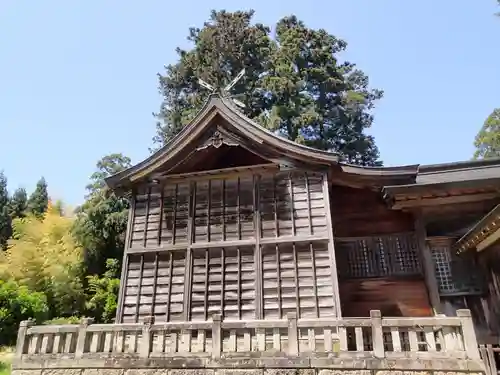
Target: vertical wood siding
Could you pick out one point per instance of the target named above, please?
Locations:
(246, 246)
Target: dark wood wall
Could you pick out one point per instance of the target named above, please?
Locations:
(362, 212)
(489, 261)
(393, 296)
(485, 307)
(378, 256)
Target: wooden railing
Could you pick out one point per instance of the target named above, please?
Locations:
(373, 337)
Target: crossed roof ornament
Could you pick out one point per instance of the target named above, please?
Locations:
(226, 90)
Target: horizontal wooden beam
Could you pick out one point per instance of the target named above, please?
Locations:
(216, 173)
(227, 244)
(456, 199)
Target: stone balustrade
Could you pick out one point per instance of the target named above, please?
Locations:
(360, 345)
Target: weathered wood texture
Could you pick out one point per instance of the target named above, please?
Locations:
(383, 273)
(224, 210)
(484, 306)
(247, 246)
(362, 212)
(380, 256)
(394, 296)
(456, 275)
(297, 278)
(154, 285)
(489, 261)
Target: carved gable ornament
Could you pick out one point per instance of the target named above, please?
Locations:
(216, 140)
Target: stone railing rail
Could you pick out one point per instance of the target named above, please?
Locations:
(288, 343)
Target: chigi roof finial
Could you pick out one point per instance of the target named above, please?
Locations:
(226, 90)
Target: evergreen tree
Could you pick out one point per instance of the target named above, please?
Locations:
(5, 221)
(487, 141)
(294, 83)
(39, 199)
(102, 220)
(18, 204)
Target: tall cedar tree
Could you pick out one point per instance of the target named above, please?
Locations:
(5, 220)
(294, 83)
(102, 220)
(18, 204)
(487, 141)
(39, 199)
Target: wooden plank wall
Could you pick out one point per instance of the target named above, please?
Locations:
(362, 212)
(154, 285)
(213, 246)
(485, 307)
(297, 278)
(223, 282)
(377, 256)
(392, 296)
(489, 260)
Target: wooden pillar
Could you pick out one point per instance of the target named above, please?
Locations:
(125, 260)
(331, 246)
(427, 263)
(259, 282)
(188, 263)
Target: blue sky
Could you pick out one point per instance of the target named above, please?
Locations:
(78, 78)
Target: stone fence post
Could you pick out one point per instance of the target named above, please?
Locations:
(81, 338)
(22, 344)
(293, 334)
(468, 334)
(377, 334)
(146, 339)
(216, 336)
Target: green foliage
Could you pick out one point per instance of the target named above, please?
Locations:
(4, 368)
(294, 84)
(44, 257)
(18, 303)
(64, 320)
(107, 166)
(39, 199)
(103, 292)
(225, 45)
(102, 220)
(487, 141)
(5, 220)
(44, 270)
(18, 204)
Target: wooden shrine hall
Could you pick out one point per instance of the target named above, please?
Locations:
(248, 252)
(230, 219)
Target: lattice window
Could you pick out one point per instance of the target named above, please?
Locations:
(456, 275)
(377, 256)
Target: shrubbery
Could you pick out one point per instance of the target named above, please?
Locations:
(18, 303)
(43, 277)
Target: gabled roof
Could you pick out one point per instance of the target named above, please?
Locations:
(238, 125)
(219, 122)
